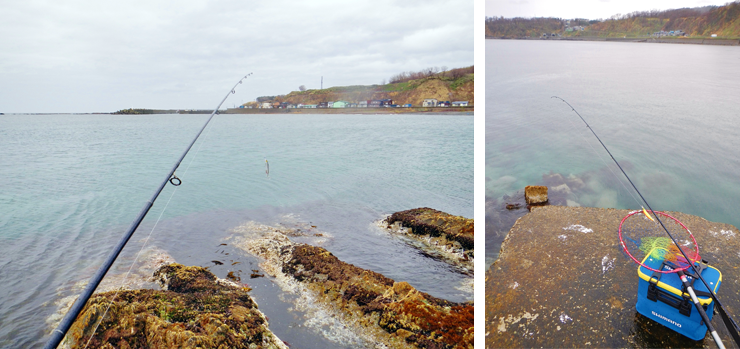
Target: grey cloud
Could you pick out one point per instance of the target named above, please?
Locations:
(185, 54)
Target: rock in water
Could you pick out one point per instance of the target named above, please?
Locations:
(451, 236)
(196, 310)
(392, 314)
(535, 194)
(562, 280)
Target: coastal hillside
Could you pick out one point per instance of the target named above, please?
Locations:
(404, 88)
(700, 22)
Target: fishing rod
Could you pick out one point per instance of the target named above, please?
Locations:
(732, 327)
(58, 334)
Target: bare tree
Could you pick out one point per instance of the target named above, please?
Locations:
(302, 87)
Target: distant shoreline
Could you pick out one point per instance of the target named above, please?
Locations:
(413, 110)
(685, 41)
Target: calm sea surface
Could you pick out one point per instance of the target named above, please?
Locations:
(70, 186)
(670, 114)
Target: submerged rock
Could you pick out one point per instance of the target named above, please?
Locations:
(451, 236)
(535, 194)
(195, 310)
(380, 311)
(562, 280)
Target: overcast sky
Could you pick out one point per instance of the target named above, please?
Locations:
(590, 9)
(102, 56)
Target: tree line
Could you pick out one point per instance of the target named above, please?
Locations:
(431, 72)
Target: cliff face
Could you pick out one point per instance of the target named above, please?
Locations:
(562, 280)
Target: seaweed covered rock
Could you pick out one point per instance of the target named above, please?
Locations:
(382, 310)
(196, 310)
(563, 280)
(450, 235)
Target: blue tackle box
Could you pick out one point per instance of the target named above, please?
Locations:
(662, 298)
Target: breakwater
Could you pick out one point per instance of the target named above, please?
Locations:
(562, 280)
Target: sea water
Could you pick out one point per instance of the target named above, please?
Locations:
(668, 113)
(70, 186)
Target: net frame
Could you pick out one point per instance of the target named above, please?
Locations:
(674, 270)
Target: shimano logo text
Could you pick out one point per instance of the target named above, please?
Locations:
(666, 319)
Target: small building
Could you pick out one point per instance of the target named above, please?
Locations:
(340, 104)
(362, 104)
(352, 105)
(460, 104)
(266, 105)
(322, 105)
(429, 102)
(407, 105)
(373, 104)
(330, 104)
(444, 104)
(309, 106)
(386, 102)
(714, 35)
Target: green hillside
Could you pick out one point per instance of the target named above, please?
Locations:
(404, 88)
(701, 22)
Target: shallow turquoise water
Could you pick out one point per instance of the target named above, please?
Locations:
(668, 114)
(72, 184)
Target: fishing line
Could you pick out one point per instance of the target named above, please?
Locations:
(125, 277)
(600, 157)
(729, 322)
(146, 241)
(58, 334)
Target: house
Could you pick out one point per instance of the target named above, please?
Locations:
(362, 104)
(407, 105)
(330, 104)
(352, 105)
(322, 105)
(300, 105)
(444, 104)
(309, 106)
(460, 104)
(266, 105)
(429, 102)
(386, 102)
(340, 104)
(373, 104)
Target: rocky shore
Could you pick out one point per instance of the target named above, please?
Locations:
(562, 280)
(443, 235)
(348, 305)
(378, 310)
(194, 309)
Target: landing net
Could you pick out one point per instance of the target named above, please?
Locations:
(641, 235)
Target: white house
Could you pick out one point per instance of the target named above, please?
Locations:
(429, 102)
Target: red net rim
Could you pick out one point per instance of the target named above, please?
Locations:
(624, 246)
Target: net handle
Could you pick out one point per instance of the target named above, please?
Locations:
(624, 246)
